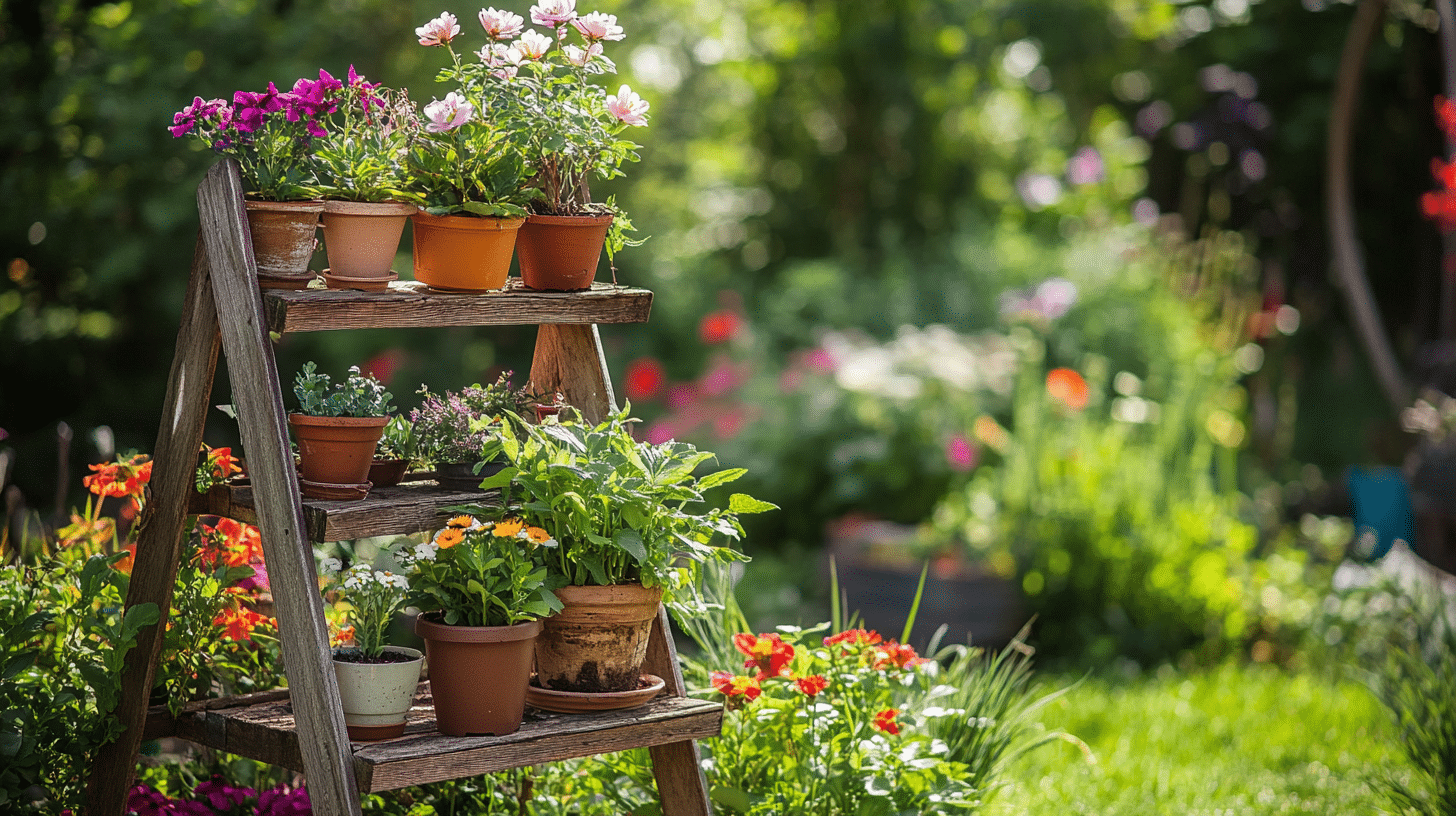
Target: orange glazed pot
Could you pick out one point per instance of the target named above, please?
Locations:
(336, 450)
(561, 252)
(459, 253)
(478, 675)
(598, 641)
(362, 237)
(283, 241)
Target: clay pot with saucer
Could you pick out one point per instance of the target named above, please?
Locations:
(335, 454)
(361, 239)
(283, 241)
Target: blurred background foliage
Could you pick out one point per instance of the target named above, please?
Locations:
(1131, 189)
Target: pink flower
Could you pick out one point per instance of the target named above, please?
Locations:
(597, 26)
(438, 31)
(581, 56)
(660, 432)
(628, 107)
(960, 453)
(532, 45)
(681, 395)
(553, 12)
(448, 113)
(728, 424)
(722, 377)
(500, 25)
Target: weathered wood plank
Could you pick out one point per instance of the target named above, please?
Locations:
(303, 634)
(569, 360)
(407, 508)
(677, 766)
(407, 304)
(159, 541)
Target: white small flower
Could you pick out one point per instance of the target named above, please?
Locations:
(424, 552)
(332, 565)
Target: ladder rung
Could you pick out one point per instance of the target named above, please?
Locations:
(265, 731)
(408, 304)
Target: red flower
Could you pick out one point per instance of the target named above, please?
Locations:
(221, 463)
(812, 685)
(851, 638)
(1067, 387)
(120, 478)
(719, 327)
(238, 624)
(231, 542)
(730, 685)
(885, 721)
(767, 653)
(645, 378)
(897, 655)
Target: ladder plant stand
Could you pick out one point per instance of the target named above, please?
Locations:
(302, 727)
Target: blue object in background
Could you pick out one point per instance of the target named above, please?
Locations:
(1382, 511)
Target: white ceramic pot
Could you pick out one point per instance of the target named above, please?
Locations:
(377, 696)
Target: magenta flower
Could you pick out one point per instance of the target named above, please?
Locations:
(628, 107)
(1085, 167)
(597, 26)
(581, 56)
(553, 12)
(960, 454)
(532, 45)
(438, 31)
(188, 118)
(448, 113)
(500, 25)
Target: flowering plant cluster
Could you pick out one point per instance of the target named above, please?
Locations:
(217, 467)
(215, 796)
(481, 572)
(269, 132)
(460, 426)
(841, 715)
(362, 157)
(1440, 205)
(372, 597)
(359, 395)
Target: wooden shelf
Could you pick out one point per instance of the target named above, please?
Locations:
(261, 727)
(409, 304)
(411, 507)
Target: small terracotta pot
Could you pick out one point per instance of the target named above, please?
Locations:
(463, 476)
(336, 450)
(283, 241)
(561, 252)
(460, 253)
(478, 675)
(377, 696)
(598, 641)
(362, 237)
(388, 472)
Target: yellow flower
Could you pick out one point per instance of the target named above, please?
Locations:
(536, 535)
(448, 538)
(507, 527)
(462, 522)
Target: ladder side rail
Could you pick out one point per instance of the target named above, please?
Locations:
(677, 766)
(302, 630)
(159, 538)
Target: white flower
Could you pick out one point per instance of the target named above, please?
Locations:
(424, 552)
(332, 565)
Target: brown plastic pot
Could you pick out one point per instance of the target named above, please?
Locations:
(336, 450)
(598, 641)
(283, 241)
(362, 237)
(561, 252)
(463, 476)
(478, 675)
(388, 472)
(460, 253)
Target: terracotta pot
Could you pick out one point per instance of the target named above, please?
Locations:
(598, 641)
(387, 472)
(377, 696)
(478, 675)
(336, 450)
(362, 237)
(463, 476)
(283, 241)
(460, 253)
(561, 252)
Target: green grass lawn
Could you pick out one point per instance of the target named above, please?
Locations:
(1229, 741)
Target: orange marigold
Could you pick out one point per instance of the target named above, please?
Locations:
(507, 527)
(449, 537)
(1067, 387)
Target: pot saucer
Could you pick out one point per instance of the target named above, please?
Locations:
(370, 284)
(577, 702)
(297, 283)
(334, 492)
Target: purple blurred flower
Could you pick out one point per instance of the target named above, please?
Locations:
(284, 801)
(961, 454)
(1085, 167)
(221, 796)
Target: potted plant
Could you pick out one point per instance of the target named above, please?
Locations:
(630, 533)
(362, 178)
(457, 431)
(271, 135)
(480, 587)
(394, 454)
(337, 429)
(376, 681)
(469, 169)
(542, 87)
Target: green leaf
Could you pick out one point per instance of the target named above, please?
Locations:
(731, 798)
(631, 542)
(137, 618)
(744, 504)
(499, 479)
(17, 664)
(722, 477)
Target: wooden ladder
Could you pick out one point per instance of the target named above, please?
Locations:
(302, 727)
